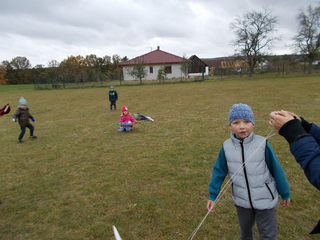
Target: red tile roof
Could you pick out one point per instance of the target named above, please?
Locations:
(155, 57)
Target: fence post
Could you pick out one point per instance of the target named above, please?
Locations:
(34, 83)
(202, 71)
(63, 81)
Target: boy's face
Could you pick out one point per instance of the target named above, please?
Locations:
(23, 106)
(111, 89)
(241, 128)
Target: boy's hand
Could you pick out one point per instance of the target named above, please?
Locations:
(14, 119)
(32, 119)
(210, 206)
(285, 203)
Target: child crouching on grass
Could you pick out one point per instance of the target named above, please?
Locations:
(258, 177)
(126, 117)
(23, 116)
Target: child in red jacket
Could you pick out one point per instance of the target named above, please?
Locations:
(126, 118)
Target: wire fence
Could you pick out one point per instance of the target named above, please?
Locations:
(67, 82)
(86, 81)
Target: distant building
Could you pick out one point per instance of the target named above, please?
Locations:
(153, 61)
(198, 67)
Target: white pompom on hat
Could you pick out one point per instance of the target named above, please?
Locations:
(22, 101)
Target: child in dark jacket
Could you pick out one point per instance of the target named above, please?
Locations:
(23, 116)
(113, 97)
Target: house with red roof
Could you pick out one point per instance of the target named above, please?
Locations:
(153, 61)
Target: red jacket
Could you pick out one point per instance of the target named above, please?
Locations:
(127, 119)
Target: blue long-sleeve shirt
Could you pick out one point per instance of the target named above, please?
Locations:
(220, 171)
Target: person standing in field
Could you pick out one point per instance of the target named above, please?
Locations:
(23, 116)
(113, 97)
(257, 177)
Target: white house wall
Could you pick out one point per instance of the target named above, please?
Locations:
(175, 69)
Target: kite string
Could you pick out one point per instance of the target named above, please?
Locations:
(227, 185)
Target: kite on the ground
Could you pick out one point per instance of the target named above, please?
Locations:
(139, 116)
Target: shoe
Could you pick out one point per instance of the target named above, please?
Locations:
(20, 141)
(33, 137)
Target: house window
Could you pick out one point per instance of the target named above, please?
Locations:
(151, 69)
(168, 69)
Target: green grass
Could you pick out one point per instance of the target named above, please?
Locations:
(75, 181)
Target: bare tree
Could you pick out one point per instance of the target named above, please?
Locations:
(53, 64)
(307, 41)
(20, 63)
(138, 71)
(254, 33)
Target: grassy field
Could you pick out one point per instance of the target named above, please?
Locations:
(81, 176)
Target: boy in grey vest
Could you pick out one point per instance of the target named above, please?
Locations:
(257, 176)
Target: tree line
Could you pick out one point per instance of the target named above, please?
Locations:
(19, 70)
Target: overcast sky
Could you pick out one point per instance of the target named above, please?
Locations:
(45, 30)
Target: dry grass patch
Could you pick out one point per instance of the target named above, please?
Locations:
(76, 181)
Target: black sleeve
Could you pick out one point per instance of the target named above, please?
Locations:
(292, 131)
(306, 125)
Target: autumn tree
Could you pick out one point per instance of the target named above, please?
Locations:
(3, 72)
(53, 64)
(254, 33)
(53, 68)
(307, 40)
(73, 66)
(17, 70)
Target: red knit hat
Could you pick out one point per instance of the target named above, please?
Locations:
(124, 108)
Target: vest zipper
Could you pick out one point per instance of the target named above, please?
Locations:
(245, 173)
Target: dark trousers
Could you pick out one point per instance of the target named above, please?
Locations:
(266, 222)
(114, 104)
(23, 130)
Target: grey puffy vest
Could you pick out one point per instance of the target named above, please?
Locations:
(253, 185)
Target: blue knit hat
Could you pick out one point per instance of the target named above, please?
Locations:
(241, 111)
(22, 101)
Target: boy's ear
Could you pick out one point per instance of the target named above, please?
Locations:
(230, 127)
